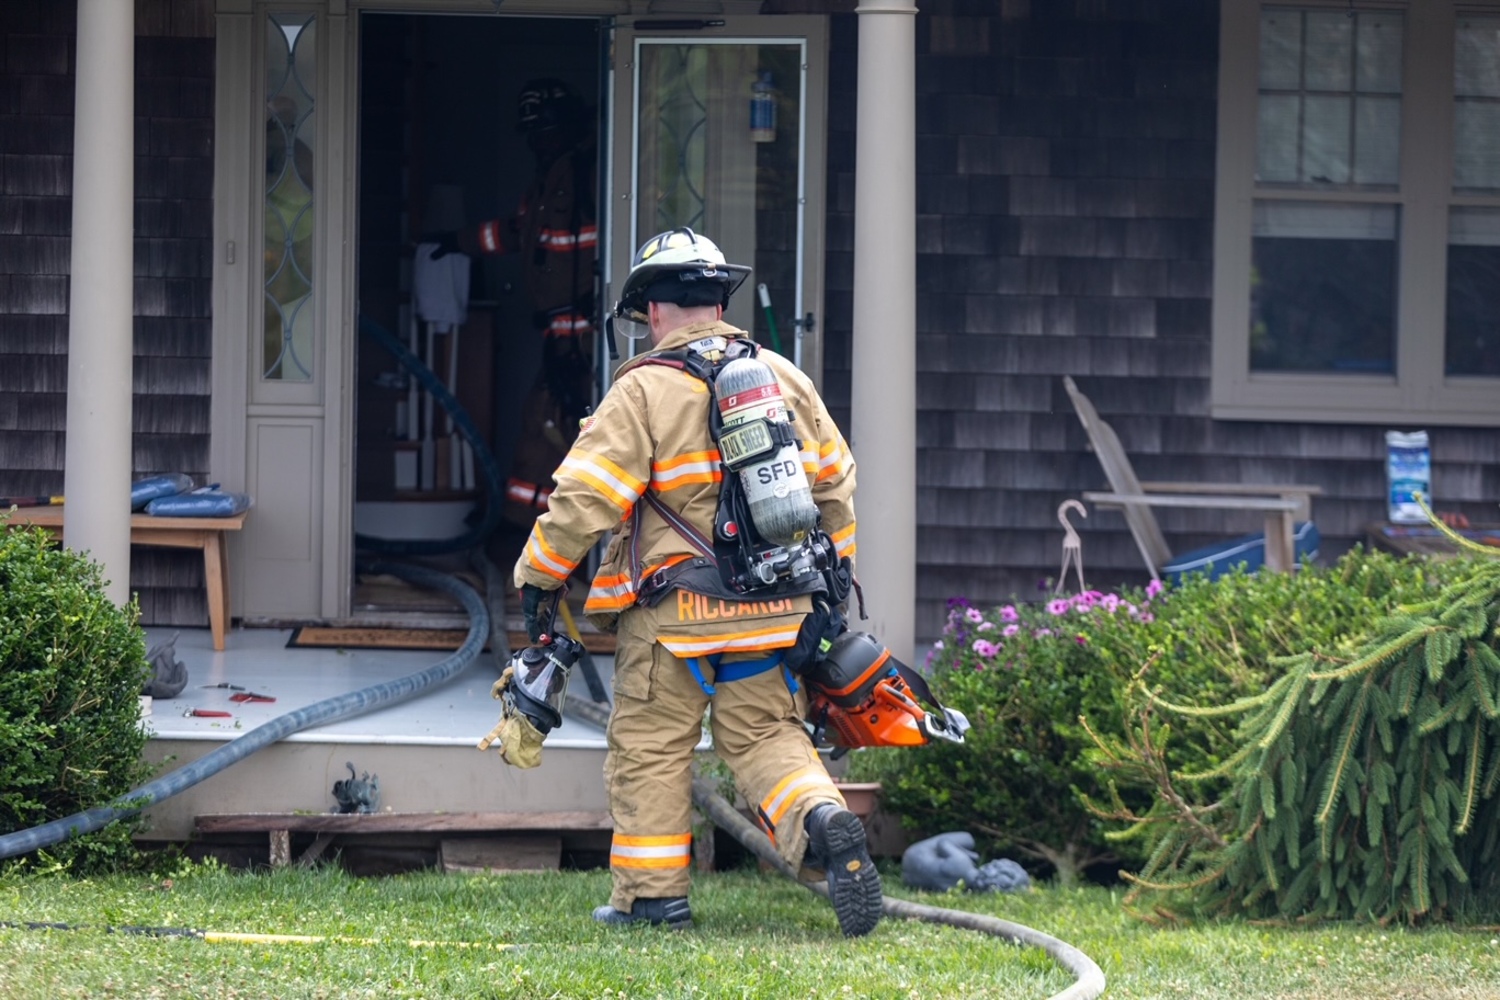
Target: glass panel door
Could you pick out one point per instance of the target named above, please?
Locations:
(712, 133)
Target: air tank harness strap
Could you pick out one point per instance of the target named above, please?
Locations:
(738, 670)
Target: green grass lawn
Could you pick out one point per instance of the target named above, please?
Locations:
(756, 936)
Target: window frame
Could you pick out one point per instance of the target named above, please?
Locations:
(1420, 390)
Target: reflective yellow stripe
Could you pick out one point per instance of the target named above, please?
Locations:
(618, 486)
(693, 467)
(843, 540)
(833, 459)
(610, 593)
(542, 557)
(730, 642)
(789, 790)
(670, 851)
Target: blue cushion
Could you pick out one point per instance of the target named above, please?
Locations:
(1248, 551)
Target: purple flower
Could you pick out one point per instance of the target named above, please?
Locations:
(985, 627)
(1010, 630)
(1041, 632)
(1059, 606)
(938, 645)
(1154, 587)
(1090, 597)
(1009, 613)
(1110, 602)
(985, 648)
(1146, 616)
(1081, 640)
(974, 615)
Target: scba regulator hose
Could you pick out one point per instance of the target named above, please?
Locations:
(317, 714)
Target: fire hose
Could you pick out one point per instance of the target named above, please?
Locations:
(1088, 977)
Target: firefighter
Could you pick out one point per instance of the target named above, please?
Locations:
(646, 459)
(554, 229)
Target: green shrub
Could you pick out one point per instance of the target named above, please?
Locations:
(1025, 674)
(1363, 781)
(71, 669)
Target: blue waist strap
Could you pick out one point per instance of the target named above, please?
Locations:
(737, 670)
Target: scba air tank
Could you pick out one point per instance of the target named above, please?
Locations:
(757, 442)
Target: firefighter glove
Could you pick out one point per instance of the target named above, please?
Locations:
(531, 605)
(520, 741)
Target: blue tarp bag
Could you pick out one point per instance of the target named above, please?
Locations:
(208, 501)
(146, 490)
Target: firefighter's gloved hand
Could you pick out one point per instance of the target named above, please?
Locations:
(531, 605)
(520, 741)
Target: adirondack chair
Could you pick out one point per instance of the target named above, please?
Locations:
(1288, 537)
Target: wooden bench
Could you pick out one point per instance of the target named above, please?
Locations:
(327, 826)
(204, 533)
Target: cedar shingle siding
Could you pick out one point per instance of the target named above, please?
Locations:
(174, 54)
(1065, 159)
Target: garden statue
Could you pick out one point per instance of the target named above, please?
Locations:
(947, 860)
(169, 675)
(1072, 545)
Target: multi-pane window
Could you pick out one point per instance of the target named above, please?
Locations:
(1357, 245)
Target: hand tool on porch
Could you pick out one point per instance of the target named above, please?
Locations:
(206, 713)
(251, 696)
(225, 684)
(30, 502)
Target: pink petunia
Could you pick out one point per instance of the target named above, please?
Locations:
(1059, 606)
(1010, 614)
(1041, 632)
(1010, 630)
(1154, 587)
(1081, 640)
(1110, 602)
(985, 648)
(1090, 597)
(985, 627)
(974, 615)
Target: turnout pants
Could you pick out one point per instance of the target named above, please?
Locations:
(656, 723)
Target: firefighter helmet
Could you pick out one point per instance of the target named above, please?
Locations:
(678, 266)
(547, 103)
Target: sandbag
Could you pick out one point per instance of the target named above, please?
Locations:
(209, 501)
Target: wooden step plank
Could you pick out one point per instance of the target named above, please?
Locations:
(394, 822)
(478, 855)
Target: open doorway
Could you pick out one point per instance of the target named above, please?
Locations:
(440, 155)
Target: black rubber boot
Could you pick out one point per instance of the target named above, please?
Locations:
(836, 843)
(672, 911)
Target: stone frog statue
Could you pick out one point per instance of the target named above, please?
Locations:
(357, 793)
(942, 862)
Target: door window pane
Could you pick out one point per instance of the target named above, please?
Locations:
(291, 74)
(1322, 287)
(1321, 121)
(1476, 116)
(705, 162)
(1473, 335)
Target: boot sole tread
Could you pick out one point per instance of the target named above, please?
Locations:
(856, 895)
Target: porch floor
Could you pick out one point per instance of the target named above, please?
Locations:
(455, 713)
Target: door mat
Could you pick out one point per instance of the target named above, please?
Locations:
(447, 640)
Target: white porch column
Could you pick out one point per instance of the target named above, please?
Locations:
(884, 357)
(97, 466)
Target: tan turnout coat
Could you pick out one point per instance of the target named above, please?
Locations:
(651, 431)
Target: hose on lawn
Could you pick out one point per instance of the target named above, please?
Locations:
(317, 714)
(1088, 977)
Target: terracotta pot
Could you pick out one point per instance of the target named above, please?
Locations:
(860, 796)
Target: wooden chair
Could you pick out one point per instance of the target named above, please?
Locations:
(1289, 532)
